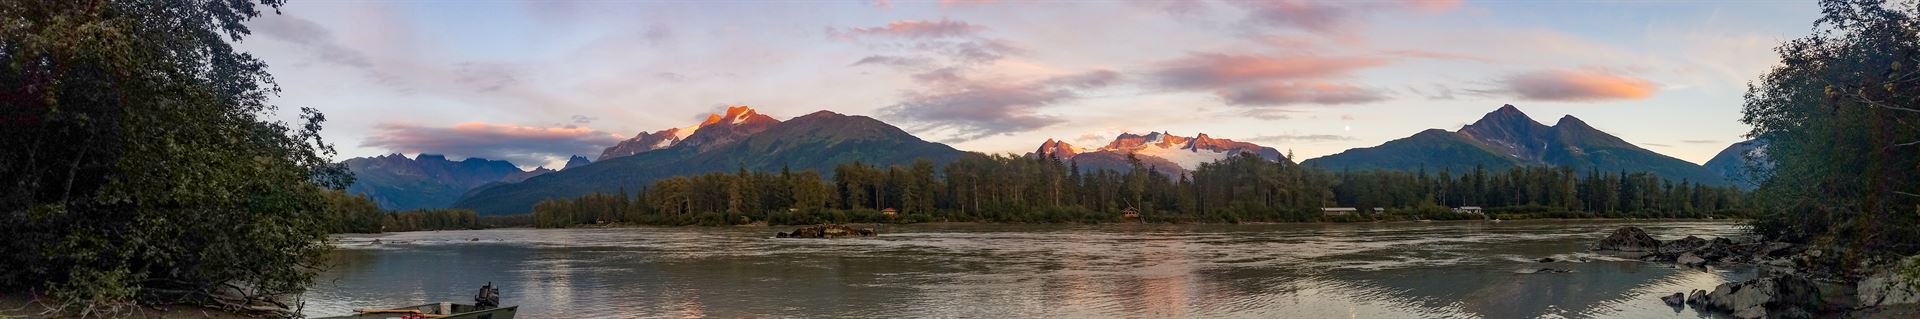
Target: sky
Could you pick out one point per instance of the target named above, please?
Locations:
(534, 82)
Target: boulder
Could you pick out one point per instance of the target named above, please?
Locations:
(1776, 296)
(1697, 297)
(1690, 260)
(1678, 246)
(1546, 259)
(1675, 300)
(1887, 288)
(1628, 239)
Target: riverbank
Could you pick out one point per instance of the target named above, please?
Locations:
(1792, 281)
(16, 305)
(617, 225)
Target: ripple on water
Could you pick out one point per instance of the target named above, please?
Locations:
(1427, 270)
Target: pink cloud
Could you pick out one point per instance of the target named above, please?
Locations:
(920, 29)
(1301, 14)
(1578, 85)
(1204, 70)
(1258, 80)
(1433, 5)
(1307, 92)
(1438, 55)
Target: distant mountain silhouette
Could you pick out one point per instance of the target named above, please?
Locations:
(1507, 138)
(1736, 160)
(427, 181)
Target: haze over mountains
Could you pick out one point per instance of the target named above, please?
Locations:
(742, 138)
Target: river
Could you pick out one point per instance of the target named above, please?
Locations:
(1358, 270)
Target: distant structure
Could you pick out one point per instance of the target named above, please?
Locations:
(1469, 210)
(1338, 211)
(1378, 210)
(890, 211)
(1130, 213)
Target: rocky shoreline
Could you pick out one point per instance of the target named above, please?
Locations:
(1788, 283)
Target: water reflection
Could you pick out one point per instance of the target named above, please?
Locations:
(1429, 270)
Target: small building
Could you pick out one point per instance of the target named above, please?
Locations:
(890, 211)
(1379, 210)
(1130, 213)
(1469, 210)
(1338, 211)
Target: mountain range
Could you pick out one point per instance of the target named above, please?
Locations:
(1508, 138)
(1170, 154)
(396, 182)
(742, 138)
(739, 139)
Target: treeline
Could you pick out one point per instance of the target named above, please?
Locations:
(349, 213)
(1244, 188)
(1535, 191)
(1840, 118)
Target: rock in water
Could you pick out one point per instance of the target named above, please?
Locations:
(1552, 271)
(827, 231)
(1628, 239)
(1697, 297)
(1675, 300)
(1690, 260)
(1546, 259)
(1775, 296)
(1682, 245)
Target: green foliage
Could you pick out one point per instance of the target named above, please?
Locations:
(1243, 188)
(1842, 121)
(140, 161)
(348, 213)
(432, 219)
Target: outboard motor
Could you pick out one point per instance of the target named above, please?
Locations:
(488, 298)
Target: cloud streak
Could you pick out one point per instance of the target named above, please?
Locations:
(1301, 93)
(523, 145)
(943, 28)
(1259, 80)
(1577, 86)
(971, 109)
(1305, 138)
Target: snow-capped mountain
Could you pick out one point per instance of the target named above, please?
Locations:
(1157, 149)
(739, 121)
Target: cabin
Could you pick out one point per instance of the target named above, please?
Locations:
(1338, 211)
(1379, 210)
(889, 211)
(1130, 213)
(1468, 210)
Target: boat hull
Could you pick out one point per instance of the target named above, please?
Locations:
(495, 313)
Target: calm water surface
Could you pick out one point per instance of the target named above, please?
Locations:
(1388, 270)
